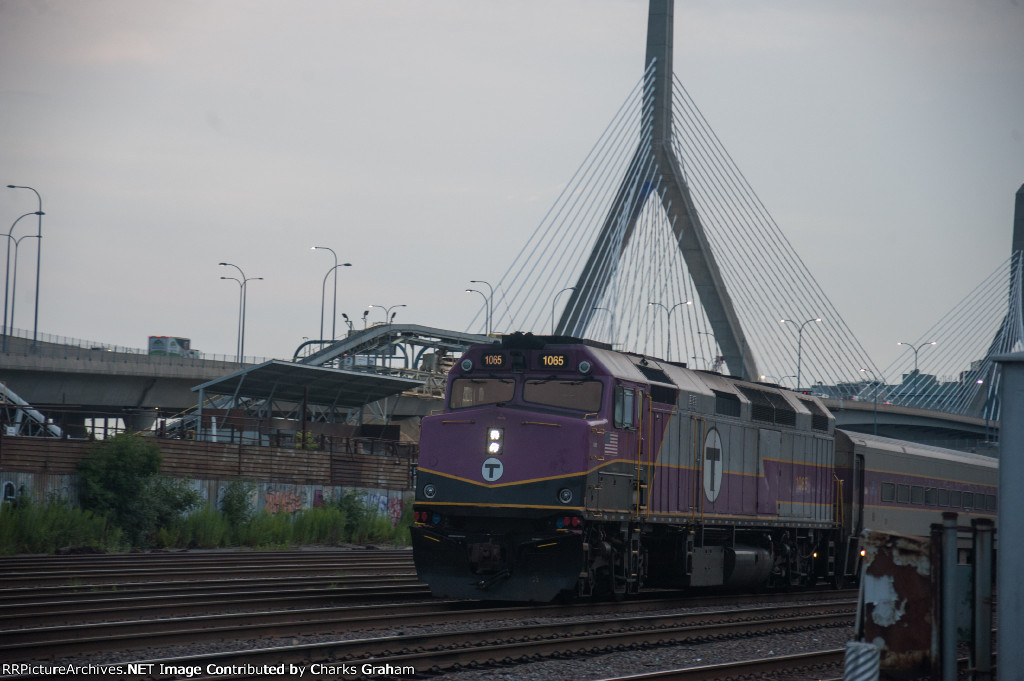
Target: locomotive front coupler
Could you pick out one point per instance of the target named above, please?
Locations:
(485, 584)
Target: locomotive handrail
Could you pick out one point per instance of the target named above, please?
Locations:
(837, 502)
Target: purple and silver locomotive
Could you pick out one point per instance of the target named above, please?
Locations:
(560, 467)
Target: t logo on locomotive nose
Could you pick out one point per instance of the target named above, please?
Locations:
(492, 469)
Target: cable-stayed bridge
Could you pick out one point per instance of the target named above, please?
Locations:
(659, 245)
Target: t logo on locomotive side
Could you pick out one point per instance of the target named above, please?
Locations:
(492, 469)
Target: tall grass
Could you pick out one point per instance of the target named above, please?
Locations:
(33, 528)
(44, 528)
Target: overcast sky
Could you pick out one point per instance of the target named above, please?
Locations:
(423, 140)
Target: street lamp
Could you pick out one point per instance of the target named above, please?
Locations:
(799, 343)
(238, 333)
(916, 349)
(334, 311)
(8, 270)
(490, 304)
(39, 255)
(670, 310)
(487, 316)
(388, 317)
(553, 302)
(14, 274)
(242, 298)
(875, 378)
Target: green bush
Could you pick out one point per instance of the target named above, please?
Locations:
(236, 503)
(120, 479)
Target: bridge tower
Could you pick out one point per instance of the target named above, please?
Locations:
(1010, 337)
(654, 151)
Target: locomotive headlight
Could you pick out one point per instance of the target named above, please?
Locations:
(584, 367)
(565, 495)
(429, 491)
(495, 440)
(467, 365)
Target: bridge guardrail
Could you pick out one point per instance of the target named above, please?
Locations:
(19, 343)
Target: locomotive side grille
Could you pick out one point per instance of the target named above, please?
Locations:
(769, 407)
(819, 420)
(761, 406)
(653, 374)
(785, 415)
(726, 404)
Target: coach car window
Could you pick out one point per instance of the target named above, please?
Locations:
(968, 500)
(582, 395)
(929, 496)
(956, 498)
(990, 502)
(902, 494)
(472, 392)
(943, 497)
(917, 494)
(624, 399)
(888, 491)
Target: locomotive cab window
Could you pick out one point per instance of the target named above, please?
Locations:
(625, 399)
(570, 394)
(472, 392)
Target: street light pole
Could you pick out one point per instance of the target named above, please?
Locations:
(334, 310)
(323, 290)
(7, 272)
(487, 317)
(39, 256)
(490, 304)
(244, 293)
(14, 275)
(387, 311)
(335, 270)
(799, 343)
(875, 377)
(915, 349)
(238, 332)
(555, 300)
(670, 311)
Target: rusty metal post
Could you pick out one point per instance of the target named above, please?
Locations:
(1010, 523)
(982, 639)
(947, 639)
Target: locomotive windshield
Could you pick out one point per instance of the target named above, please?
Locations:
(472, 392)
(582, 395)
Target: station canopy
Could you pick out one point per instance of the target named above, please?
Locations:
(278, 380)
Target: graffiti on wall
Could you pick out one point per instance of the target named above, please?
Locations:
(384, 506)
(276, 500)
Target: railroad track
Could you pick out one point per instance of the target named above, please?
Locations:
(571, 630)
(75, 572)
(168, 626)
